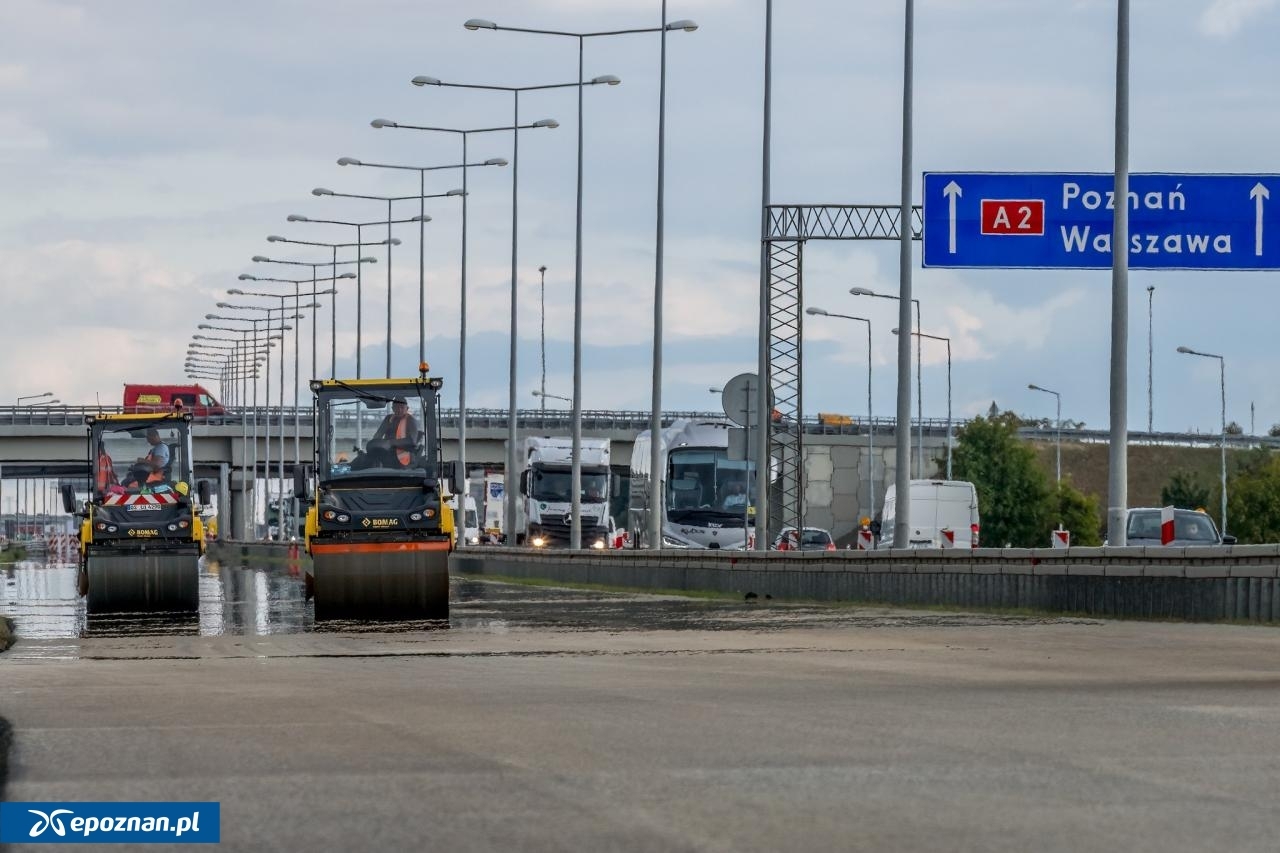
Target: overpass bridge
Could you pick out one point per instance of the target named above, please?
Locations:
(49, 443)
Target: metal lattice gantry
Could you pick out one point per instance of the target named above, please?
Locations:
(788, 227)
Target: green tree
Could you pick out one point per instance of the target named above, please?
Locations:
(1186, 490)
(1013, 493)
(1253, 499)
(1077, 512)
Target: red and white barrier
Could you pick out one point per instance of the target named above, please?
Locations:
(947, 539)
(864, 539)
(1166, 525)
(1060, 539)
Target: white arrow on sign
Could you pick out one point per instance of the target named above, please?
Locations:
(952, 191)
(1258, 193)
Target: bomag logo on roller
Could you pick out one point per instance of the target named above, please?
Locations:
(137, 531)
(381, 522)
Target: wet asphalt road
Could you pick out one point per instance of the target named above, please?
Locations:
(554, 719)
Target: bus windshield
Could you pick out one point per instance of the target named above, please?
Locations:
(705, 482)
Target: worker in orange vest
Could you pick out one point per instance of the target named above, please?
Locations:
(392, 445)
(106, 471)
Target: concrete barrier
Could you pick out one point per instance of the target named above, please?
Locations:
(1198, 584)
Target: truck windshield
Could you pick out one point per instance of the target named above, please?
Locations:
(557, 486)
(707, 482)
(374, 436)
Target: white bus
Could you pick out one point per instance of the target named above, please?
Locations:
(705, 498)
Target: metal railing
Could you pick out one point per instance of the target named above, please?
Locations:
(631, 421)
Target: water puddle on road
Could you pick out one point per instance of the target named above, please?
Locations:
(43, 603)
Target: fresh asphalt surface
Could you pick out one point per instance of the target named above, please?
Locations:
(554, 719)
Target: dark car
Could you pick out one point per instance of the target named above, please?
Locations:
(1191, 528)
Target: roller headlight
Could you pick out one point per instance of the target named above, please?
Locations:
(102, 525)
(184, 524)
(474, 540)
(415, 516)
(429, 512)
(538, 541)
(330, 515)
(111, 528)
(172, 527)
(344, 518)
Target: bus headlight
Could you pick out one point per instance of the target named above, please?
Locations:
(668, 542)
(538, 541)
(598, 544)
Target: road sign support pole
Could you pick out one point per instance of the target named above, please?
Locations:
(902, 434)
(1118, 452)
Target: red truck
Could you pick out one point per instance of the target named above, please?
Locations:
(161, 398)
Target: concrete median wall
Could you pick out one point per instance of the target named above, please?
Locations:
(1198, 584)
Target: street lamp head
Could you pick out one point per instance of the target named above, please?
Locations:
(235, 291)
(1033, 386)
(274, 238)
(420, 218)
(480, 24)
(321, 191)
(862, 291)
(395, 241)
(686, 25)
(348, 161)
(325, 292)
(368, 260)
(496, 161)
(310, 305)
(455, 192)
(297, 217)
(259, 259)
(818, 312)
(546, 122)
(347, 275)
(1186, 350)
(244, 276)
(542, 268)
(611, 79)
(424, 80)
(383, 122)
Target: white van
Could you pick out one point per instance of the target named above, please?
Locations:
(936, 505)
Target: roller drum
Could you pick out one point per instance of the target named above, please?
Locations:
(146, 582)
(386, 581)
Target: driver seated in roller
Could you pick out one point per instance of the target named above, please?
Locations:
(392, 446)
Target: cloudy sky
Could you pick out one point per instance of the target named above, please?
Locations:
(148, 147)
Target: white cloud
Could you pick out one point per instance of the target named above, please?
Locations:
(1225, 18)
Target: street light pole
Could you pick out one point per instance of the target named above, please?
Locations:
(1151, 291)
(542, 314)
(1222, 379)
(655, 418)
(1057, 428)
(871, 424)
(947, 341)
(920, 472)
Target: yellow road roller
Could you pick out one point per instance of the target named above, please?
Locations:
(379, 527)
(140, 531)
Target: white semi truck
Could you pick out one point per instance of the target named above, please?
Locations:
(546, 492)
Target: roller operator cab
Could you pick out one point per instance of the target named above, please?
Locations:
(380, 526)
(141, 535)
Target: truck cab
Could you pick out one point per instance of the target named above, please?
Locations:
(546, 490)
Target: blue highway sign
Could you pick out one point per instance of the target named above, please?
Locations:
(1054, 220)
